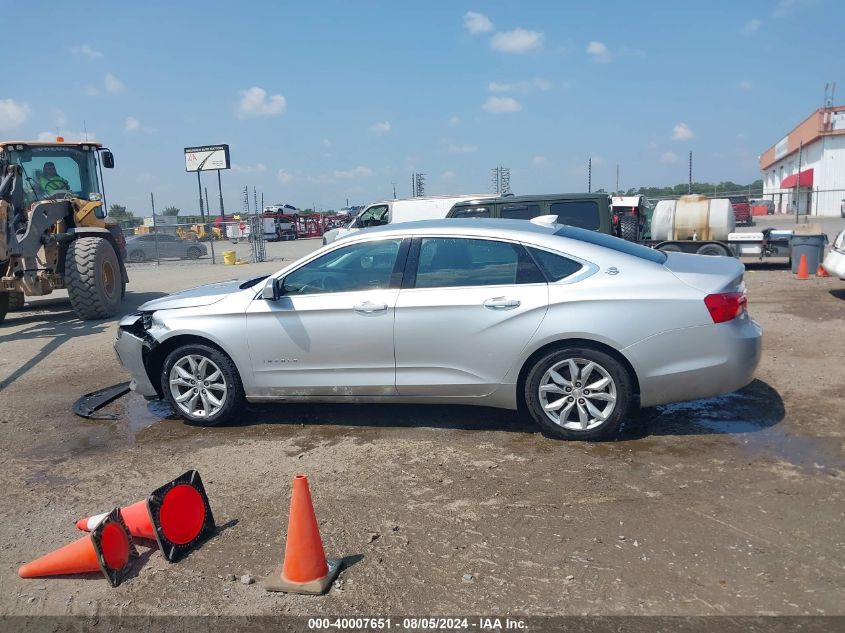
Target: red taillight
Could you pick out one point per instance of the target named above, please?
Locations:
(726, 305)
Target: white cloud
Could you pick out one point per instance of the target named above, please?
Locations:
(539, 160)
(682, 132)
(255, 103)
(69, 135)
(113, 84)
(132, 124)
(356, 172)
(668, 158)
(12, 114)
(92, 91)
(499, 105)
(284, 176)
(520, 86)
(327, 142)
(786, 7)
(599, 52)
(86, 51)
(517, 41)
(477, 23)
(751, 26)
(745, 85)
(462, 149)
(455, 121)
(380, 128)
(258, 168)
(447, 175)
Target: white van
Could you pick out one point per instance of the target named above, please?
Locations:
(402, 210)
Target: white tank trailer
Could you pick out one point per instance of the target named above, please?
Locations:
(706, 226)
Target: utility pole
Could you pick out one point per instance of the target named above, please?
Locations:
(689, 184)
(255, 200)
(798, 180)
(207, 206)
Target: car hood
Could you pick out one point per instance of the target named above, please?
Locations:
(194, 297)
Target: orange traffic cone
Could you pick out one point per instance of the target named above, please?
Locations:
(305, 568)
(177, 516)
(821, 272)
(108, 549)
(802, 268)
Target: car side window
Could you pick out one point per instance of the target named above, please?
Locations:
(356, 267)
(453, 262)
(581, 213)
(475, 211)
(554, 266)
(374, 216)
(520, 211)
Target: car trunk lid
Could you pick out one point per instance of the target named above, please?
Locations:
(710, 274)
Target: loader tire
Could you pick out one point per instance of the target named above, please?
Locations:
(93, 278)
(16, 300)
(4, 305)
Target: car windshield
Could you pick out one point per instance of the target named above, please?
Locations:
(55, 170)
(613, 243)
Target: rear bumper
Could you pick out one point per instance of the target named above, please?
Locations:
(834, 263)
(698, 362)
(130, 352)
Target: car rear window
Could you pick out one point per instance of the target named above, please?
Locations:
(580, 213)
(613, 243)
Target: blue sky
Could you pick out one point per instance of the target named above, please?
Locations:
(324, 101)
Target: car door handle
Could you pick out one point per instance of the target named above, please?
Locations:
(502, 303)
(368, 307)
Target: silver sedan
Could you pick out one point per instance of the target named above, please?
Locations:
(575, 327)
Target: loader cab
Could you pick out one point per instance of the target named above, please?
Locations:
(55, 170)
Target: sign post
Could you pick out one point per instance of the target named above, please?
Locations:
(208, 158)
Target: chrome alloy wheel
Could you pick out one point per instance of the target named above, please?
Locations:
(198, 386)
(577, 394)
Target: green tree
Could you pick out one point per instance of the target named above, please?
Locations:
(171, 211)
(119, 212)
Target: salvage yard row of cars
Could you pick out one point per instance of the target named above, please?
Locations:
(575, 327)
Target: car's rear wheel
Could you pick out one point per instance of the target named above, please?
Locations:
(712, 249)
(137, 256)
(578, 393)
(194, 253)
(202, 384)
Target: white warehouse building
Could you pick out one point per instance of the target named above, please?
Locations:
(807, 166)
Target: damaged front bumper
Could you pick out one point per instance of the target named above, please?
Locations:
(130, 345)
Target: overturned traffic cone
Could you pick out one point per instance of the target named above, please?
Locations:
(821, 272)
(802, 268)
(305, 568)
(108, 549)
(177, 516)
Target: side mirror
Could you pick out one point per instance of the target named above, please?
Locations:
(108, 159)
(271, 290)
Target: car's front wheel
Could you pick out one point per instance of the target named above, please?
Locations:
(202, 384)
(578, 393)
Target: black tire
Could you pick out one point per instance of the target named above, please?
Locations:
(194, 253)
(629, 228)
(670, 248)
(606, 367)
(4, 305)
(712, 249)
(93, 278)
(137, 256)
(16, 300)
(234, 394)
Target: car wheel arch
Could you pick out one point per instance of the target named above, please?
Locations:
(154, 358)
(574, 342)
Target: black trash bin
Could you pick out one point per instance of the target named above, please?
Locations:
(812, 246)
